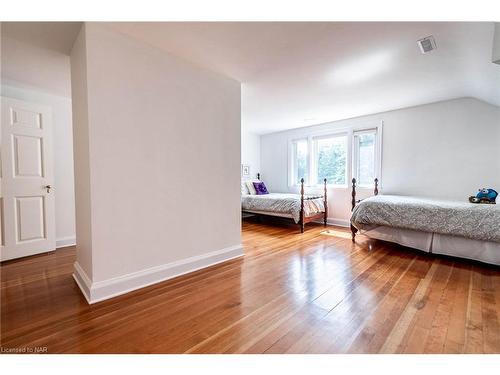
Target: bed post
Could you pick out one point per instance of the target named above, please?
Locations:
(258, 176)
(325, 201)
(375, 190)
(353, 194)
(353, 203)
(301, 222)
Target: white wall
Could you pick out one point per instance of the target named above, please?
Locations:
(250, 151)
(443, 150)
(159, 163)
(42, 76)
(81, 149)
(35, 67)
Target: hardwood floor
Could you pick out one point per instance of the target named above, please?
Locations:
(290, 293)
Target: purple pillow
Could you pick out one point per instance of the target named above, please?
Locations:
(260, 188)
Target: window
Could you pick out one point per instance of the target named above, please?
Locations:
(330, 160)
(337, 155)
(364, 160)
(300, 161)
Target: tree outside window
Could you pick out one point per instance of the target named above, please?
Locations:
(331, 160)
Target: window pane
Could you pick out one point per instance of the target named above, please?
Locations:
(300, 168)
(366, 158)
(331, 160)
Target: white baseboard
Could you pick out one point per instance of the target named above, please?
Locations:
(102, 290)
(65, 241)
(338, 222)
(335, 222)
(83, 281)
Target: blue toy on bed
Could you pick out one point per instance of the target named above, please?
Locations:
(484, 196)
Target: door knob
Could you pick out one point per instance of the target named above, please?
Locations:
(48, 187)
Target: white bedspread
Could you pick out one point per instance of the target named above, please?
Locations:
(284, 204)
(469, 220)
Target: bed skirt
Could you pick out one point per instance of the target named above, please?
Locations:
(483, 251)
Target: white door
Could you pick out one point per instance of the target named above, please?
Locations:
(28, 215)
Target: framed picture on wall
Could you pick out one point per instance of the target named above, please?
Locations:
(245, 170)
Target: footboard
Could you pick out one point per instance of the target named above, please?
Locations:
(354, 202)
(323, 215)
(303, 219)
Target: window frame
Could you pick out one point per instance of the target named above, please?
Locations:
(292, 159)
(350, 132)
(314, 170)
(355, 155)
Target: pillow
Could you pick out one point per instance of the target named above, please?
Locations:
(251, 188)
(260, 188)
(244, 188)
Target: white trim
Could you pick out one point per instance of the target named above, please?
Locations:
(313, 171)
(292, 178)
(334, 131)
(336, 222)
(65, 241)
(377, 162)
(102, 290)
(82, 280)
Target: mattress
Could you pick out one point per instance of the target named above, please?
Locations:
(283, 205)
(463, 219)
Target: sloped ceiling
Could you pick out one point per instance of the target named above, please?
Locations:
(35, 55)
(55, 36)
(301, 73)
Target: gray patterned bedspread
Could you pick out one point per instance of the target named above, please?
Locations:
(476, 221)
(284, 204)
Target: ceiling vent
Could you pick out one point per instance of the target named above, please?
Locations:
(427, 44)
